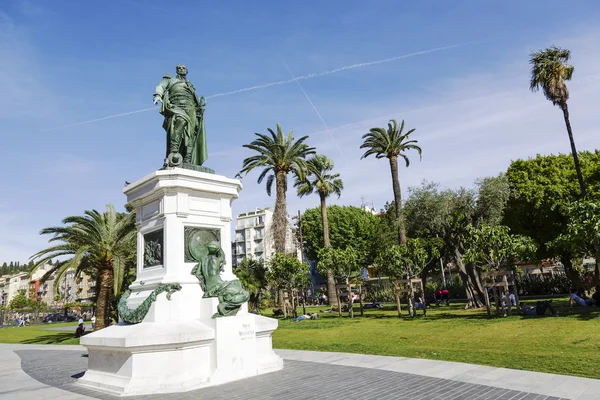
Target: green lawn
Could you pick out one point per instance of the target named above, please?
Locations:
(568, 344)
(38, 334)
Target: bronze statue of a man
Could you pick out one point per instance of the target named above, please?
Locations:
(184, 119)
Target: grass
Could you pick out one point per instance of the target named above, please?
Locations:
(38, 334)
(568, 344)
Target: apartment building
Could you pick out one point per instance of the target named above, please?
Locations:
(11, 286)
(4, 282)
(71, 288)
(253, 236)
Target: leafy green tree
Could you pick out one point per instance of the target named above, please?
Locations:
(20, 301)
(252, 273)
(321, 180)
(549, 71)
(583, 231)
(278, 155)
(542, 189)
(102, 242)
(447, 215)
(343, 263)
(348, 227)
(405, 262)
(490, 247)
(286, 272)
(391, 144)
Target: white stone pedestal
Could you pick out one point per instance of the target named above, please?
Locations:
(178, 346)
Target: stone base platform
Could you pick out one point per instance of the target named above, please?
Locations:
(178, 356)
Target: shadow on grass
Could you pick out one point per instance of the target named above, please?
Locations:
(585, 313)
(56, 338)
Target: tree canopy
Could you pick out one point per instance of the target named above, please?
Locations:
(542, 189)
(348, 227)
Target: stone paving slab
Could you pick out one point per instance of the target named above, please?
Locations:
(298, 380)
(552, 385)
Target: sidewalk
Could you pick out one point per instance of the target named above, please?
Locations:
(48, 372)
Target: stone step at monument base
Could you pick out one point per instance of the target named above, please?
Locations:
(178, 356)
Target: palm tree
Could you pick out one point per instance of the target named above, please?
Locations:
(549, 71)
(392, 144)
(278, 155)
(321, 180)
(96, 242)
(252, 273)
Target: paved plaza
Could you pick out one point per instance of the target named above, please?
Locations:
(49, 372)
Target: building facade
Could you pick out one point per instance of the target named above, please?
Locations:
(254, 237)
(71, 288)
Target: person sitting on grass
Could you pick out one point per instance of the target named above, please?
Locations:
(576, 297)
(442, 296)
(418, 302)
(306, 316)
(539, 310)
(331, 309)
(80, 329)
(512, 298)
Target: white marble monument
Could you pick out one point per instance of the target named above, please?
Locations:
(179, 346)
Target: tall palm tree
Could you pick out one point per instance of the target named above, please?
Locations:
(321, 180)
(392, 144)
(98, 242)
(549, 71)
(278, 155)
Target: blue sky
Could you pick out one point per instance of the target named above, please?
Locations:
(66, 62)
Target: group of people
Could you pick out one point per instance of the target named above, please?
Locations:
(22, 320)
(440, 296)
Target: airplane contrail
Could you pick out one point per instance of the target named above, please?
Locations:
(340, 69)
(314, 108)
(100, 119)
(283, 82)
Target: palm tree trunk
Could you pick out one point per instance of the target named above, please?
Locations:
(105, 289)
(331, 290)
(565, 110)
(280, 221)
(398, 200)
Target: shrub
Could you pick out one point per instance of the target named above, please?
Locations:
(536, 285)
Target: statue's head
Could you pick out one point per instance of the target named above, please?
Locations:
(181, 70)
(213, 247)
